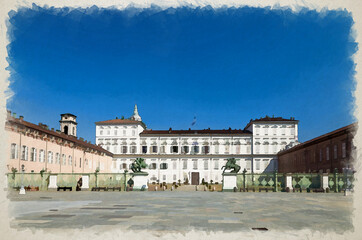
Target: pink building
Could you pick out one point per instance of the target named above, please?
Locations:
(39, 148)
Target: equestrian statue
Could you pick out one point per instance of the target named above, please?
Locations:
(138, 164)
(231, 164)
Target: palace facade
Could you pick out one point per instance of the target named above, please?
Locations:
(323, 154)
(193, 155)
(37, 148)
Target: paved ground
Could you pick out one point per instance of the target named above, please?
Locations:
(182, 211)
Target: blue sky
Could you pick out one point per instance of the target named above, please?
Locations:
(223, 66)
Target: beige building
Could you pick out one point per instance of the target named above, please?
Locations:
(39, 148)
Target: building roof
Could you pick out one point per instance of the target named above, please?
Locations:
(350, 128)
(268, 119)
(186, 132)
(68, 114)
(118, 121)
(43, 128)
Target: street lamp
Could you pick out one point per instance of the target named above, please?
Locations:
(125, 179)
(22, 189)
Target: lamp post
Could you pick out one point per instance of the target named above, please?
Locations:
(22, 189)
(125, 179)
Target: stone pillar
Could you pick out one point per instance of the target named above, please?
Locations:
(324, 180)
(289, 181)
(52, 181)
(140, 180)
(229, 182)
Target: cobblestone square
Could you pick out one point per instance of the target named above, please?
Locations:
(182, 211)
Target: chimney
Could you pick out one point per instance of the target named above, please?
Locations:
(58, 131)
(81, 139)
(52, 129)
(14, 115)
(8, 113)
(21, 118)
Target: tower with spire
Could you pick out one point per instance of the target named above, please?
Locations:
(135, 115)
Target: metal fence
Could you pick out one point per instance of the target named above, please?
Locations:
(305, 181)
(41, 181)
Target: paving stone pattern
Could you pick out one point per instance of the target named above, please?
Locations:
(183, 211)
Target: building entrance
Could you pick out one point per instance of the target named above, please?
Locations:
(195, 178)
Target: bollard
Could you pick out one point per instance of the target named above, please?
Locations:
(196, 187)
(155, 188)
(164, 188)
(205, 188)
(213, 189)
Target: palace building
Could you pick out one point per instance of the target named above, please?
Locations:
(323, 154)
(193, 155)
(37, 148)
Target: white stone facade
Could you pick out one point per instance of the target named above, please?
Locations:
(177, 155)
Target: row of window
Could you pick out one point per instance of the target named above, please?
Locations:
(164, 166)
(274, 131)
(195, 166)
(321, 155)
(335, 152)
(34, 157)
(267, 148)
(116, 132)
(174, 178)
(176, 149)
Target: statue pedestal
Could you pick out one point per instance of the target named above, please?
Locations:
(22, 190)
(229, 182)
(140, 180)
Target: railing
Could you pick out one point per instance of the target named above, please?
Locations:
(41, 181)
(300, 181)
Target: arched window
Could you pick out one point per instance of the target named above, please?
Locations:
(163, 166)
(50, 157)
(66, 129)
(24, 153)
(70, 160)
(57, 158)
(206, 165)
(14, 151)
(153, 166)
(64, 159)
(41, 155)
(216, 165)
(33, 155)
